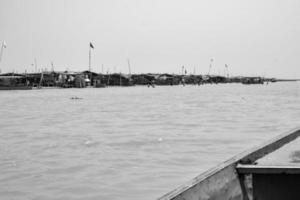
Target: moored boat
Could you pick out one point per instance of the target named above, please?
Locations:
(269, 171)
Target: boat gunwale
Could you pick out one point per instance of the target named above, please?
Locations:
(246, 157)
(268, 169)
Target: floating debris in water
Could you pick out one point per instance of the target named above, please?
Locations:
(90, 143)
(160, 139)
(76, 98)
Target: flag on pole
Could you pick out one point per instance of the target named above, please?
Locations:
(91, 45)
(4, 44)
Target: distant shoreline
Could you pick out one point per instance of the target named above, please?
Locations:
(288, 80)
(85, 79)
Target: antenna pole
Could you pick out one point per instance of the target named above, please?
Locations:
(226, 66)
(210, 65)
(52, 66)
(35, 64)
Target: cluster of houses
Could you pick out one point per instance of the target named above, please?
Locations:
(83, 79)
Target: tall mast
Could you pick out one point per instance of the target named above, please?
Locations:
(3, 45)
(129, 66)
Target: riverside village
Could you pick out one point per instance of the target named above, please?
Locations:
(43, 78)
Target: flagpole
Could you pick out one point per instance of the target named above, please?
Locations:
(90, 58)
(1, 52)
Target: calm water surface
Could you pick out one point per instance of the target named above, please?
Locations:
(131, 143)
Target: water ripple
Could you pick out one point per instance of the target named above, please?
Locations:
(131, 143)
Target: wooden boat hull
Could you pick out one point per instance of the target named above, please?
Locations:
(224, 182)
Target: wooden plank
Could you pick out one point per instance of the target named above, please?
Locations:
(261, 169)
(222, 182)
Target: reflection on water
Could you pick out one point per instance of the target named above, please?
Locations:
(131, 143)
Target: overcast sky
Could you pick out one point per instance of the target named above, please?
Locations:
(253, 37)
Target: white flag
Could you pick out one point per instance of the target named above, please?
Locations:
(4, 44)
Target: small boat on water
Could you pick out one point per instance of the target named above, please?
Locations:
(268, 172)
(14, 83)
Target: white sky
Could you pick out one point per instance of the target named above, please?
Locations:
(254, 37)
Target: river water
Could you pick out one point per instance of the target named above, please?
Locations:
(131, 143)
